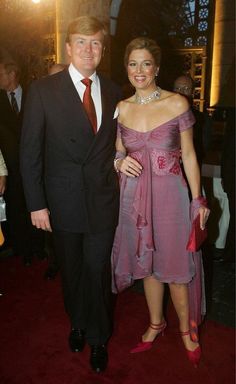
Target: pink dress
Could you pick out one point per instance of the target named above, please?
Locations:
(154, 220)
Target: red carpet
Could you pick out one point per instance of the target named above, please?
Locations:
(34, 330)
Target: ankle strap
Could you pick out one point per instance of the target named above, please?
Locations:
(186, 333)
(159, 326)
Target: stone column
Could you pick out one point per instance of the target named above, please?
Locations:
(222, 83)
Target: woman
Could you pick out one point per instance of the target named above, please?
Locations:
(155, 126)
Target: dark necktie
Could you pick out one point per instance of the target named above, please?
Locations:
(89, 105)
(14, 103)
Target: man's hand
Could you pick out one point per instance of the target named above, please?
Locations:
(3, 180)
(40, 219)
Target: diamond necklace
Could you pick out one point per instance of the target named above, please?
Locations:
(148, 99)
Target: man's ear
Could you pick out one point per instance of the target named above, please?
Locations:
(68, 49)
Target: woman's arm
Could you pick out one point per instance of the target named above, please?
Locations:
(190, 164)
(192, 171)
(125, 164)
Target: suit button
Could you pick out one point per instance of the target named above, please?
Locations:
(73, 140)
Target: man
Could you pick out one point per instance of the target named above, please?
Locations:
(70, 183)
(184, 85)
(25, 240)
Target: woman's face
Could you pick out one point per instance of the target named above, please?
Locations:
(141, 69)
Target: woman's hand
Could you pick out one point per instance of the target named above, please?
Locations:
(204, 213)
(129, 166)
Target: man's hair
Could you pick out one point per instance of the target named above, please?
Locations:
(86, 25)
(186, 76)
(143, 43)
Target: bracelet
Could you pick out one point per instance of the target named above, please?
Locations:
(119, 155)
(115, 164)
(195, 204)
(199, 201)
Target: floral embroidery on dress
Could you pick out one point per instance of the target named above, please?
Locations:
(175, 169)
(164, 162)
(161, 162)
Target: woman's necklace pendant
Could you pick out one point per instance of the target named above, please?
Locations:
(148, 99)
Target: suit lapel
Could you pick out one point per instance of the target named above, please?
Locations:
(6, 103)
(81, 125)
(105, 101)
(7, 115)
(76, 129)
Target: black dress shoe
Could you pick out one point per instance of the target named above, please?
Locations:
(98, 358)
(50, 273)
(77, 340)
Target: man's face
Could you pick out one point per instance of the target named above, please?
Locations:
(183, 85)
(86, 52)
(5, 78)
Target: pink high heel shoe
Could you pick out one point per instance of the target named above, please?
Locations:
(193, 356)
(146, 345)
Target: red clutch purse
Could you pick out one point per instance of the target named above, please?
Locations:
(197, 236)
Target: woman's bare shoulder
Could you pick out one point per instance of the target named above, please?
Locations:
(166, 94)
(178, 103)
(123, 105)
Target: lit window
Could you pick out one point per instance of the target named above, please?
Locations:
(203, 13)
(203, 2)
(202, 40)
(188, 42)
(202, 26)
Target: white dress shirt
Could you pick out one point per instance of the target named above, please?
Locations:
(76, 77)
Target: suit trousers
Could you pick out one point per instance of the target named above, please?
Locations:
(85, 264)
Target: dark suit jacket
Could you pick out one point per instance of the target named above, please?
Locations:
(10, 130)
(64, 166)
(228, 155)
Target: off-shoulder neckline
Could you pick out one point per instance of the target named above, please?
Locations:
(153, 129)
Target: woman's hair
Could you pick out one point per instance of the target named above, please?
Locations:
(143, 43)
(85, 25)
